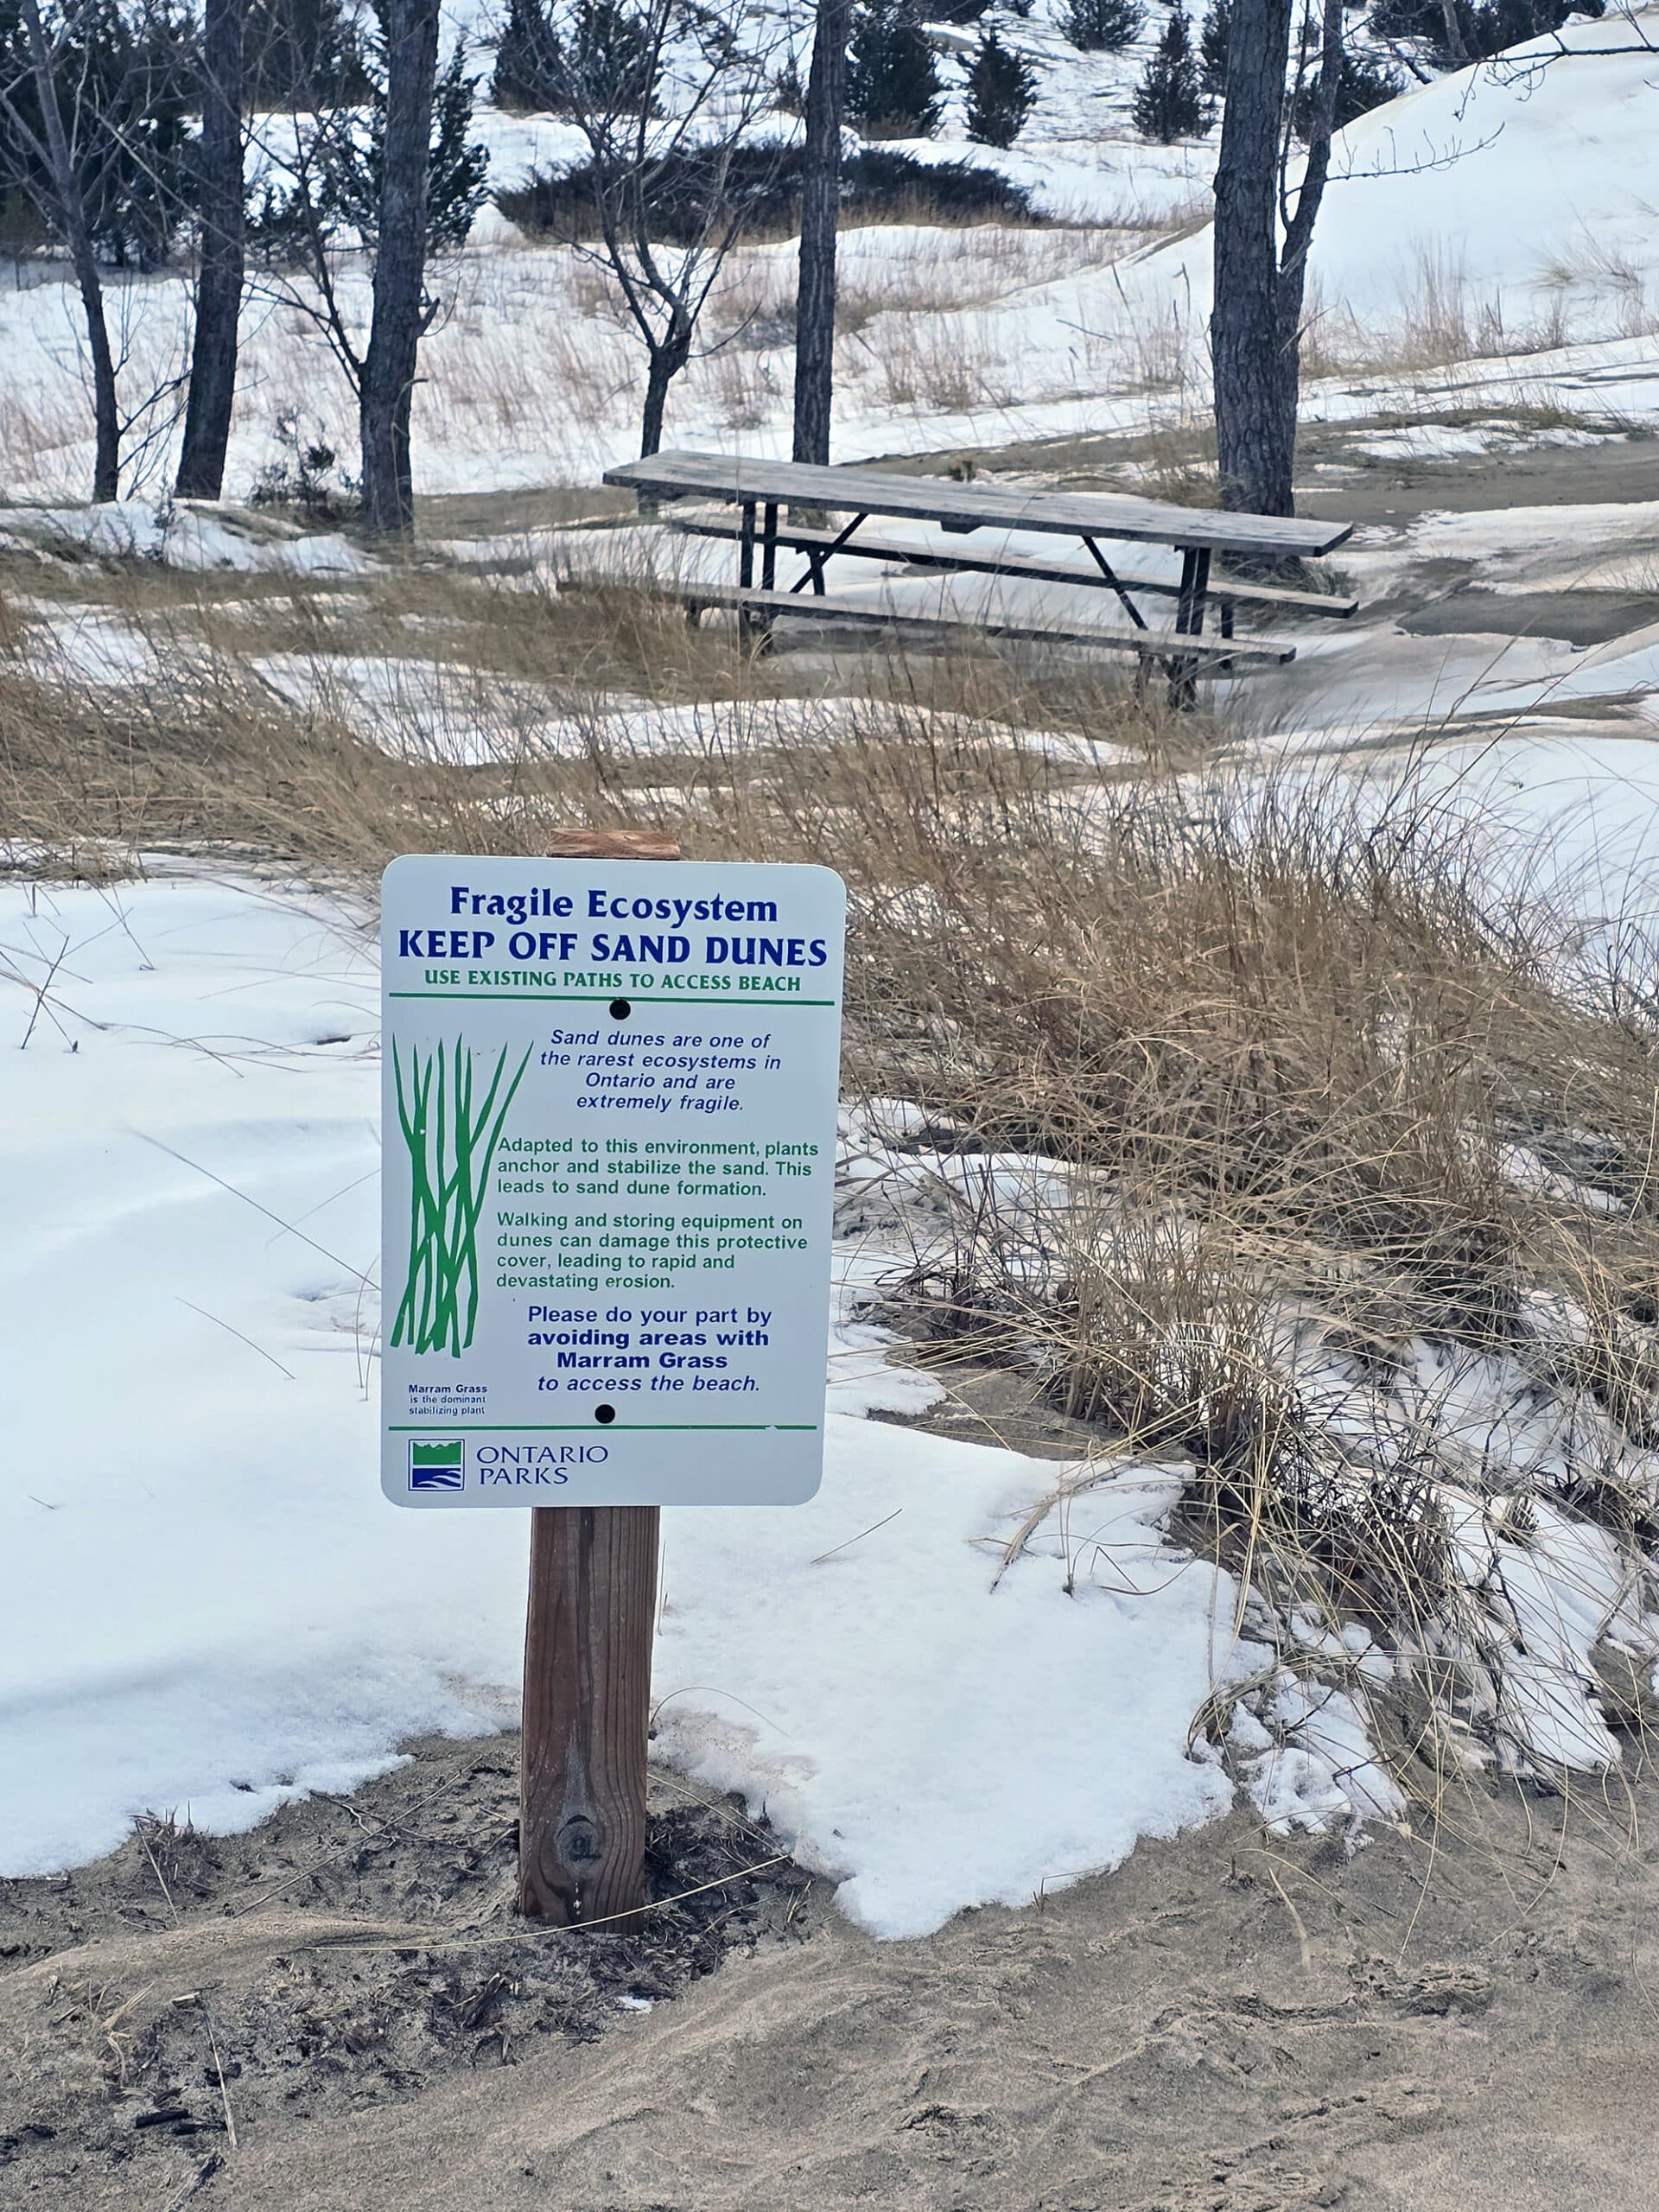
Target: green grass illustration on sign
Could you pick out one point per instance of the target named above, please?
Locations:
(451, 1139)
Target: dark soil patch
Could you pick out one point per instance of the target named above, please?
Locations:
(348, 1952)
(440, 515)
(1582, 618)
(1625, 467)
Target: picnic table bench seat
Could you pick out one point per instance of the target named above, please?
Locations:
(1211, 654)
(1029, 567)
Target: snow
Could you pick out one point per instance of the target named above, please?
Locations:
(87, 645)
(212, 1610)
(984, 1745)
(1506, 198)
(188, 537)
(420, 710)
(1319, 1768)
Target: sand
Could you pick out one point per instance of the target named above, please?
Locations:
(1229, 2021)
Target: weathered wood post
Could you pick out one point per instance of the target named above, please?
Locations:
(588, 1637)
(588, 1634)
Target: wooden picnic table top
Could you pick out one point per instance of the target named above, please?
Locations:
(740, 479)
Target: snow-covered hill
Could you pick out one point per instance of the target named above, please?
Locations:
(1516, 198)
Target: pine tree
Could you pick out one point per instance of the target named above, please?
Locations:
(1361, 86)
(611, 56)
(1212, 46)
(519, 82)
(893, 84)
(1002, 91)
(1485, 28)
(1102, 26)
(127, 82)
(1169, 101)
(601, 59)
(345, 190)
(454, 183)
(303, 55)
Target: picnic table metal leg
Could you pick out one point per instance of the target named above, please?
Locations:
(817, 556)
(1105, 567)
(746, 572)
(1189, 622)
(768, 568)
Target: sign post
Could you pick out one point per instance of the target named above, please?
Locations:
(610, 1093)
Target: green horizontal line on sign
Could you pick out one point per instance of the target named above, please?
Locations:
(604, 998)
(590, 1427)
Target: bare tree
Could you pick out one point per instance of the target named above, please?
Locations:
(400, 187)
(815, 296)
(92, 129)
(1261, 283)
(666, 93)
(53, 155)
(222, 193)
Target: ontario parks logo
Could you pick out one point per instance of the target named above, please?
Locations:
(437, 1465)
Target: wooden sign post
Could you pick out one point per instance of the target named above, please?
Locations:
(588, 1625)
(609, 1138)
(588, 1637)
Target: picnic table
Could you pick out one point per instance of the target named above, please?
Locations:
(760, 491)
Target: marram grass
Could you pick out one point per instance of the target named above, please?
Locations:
(451, 1140)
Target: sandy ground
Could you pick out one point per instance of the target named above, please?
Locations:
(1336, 478)
(1229, 2022)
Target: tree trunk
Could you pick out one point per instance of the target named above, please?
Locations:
(1254, 446)
(1299, 231)
(219, 283)
(106, 421)
(71, 216)
(815, 297)
(1454, 45)
(651, 422)
(399, 316)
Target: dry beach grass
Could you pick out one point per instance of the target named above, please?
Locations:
(1302, 1101)
(1238, 1103)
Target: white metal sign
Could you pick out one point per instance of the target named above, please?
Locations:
(608, 1168)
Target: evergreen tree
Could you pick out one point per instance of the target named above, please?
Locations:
(302, 55)
(1485, 28)
(893, 83)
(344, 191)
(1169, 101)
(1212, 46)
(1361, 86)
(1002, 91)
(1102, 26)
(597, 59)
(519, 82)
(610, 54)
(454, 184)
(126, 79)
